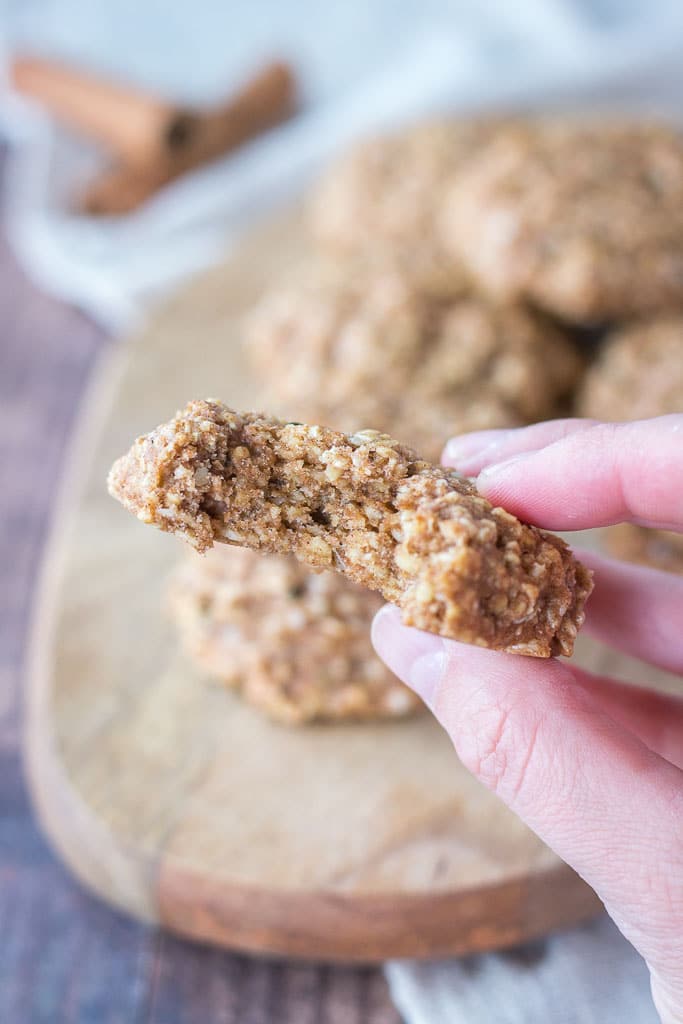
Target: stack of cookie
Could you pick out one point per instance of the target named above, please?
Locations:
(575, 220)
(385, 324)
(455, 272)
(584, 219)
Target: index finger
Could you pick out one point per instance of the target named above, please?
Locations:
(606, 473)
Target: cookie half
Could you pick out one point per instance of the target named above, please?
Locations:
(369, 508)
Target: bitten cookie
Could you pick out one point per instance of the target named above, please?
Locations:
(362, 504)
(295, 644)
(583, 217)
(337, 346)
(381, 201)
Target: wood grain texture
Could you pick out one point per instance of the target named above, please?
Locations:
(177, 802)
(64, 955)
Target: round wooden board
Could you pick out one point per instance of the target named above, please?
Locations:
(173, 800)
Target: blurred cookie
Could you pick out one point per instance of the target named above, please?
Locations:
(638, 374)
(336, 346)
(582, 217)
(659, 549)
(294, 643)
(381, 201)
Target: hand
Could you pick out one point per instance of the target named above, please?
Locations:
(592, 766)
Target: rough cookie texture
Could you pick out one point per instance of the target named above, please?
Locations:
(381, 201)
(659, 549)
(583, 217)
(362, 504)
(295, 644)
(338, 346)
(638, 374)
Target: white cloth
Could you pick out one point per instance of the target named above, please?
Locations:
(363, 65)
(589, 975)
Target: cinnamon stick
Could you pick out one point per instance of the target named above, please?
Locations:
(153, 141)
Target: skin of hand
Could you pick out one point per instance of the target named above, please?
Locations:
(593, 766)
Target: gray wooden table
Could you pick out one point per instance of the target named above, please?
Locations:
(64, 956)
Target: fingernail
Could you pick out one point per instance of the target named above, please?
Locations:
(501, 469)
(417, 658)
(472, 451)
(426, 674)
(466, 445)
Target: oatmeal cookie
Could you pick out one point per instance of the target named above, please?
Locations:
(367, 506)
(659, 549)
(339, 347)
(582, 217)
(295, 644)
(381, 201)
(638, 374)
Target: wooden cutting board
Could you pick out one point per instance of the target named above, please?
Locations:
(173, 800)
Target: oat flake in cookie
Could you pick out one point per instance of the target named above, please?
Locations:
(583, 217)
(366, 506)
(295, 644)
(347, 348)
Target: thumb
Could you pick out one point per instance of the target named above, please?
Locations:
(609, 806)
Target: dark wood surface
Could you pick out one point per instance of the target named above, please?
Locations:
(63, 955)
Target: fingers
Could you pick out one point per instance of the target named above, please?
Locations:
(636, 610)
(594, 475)
(656, 719)
(607, 804)
(470, 453)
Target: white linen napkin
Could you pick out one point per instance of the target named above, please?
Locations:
(590, 975)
